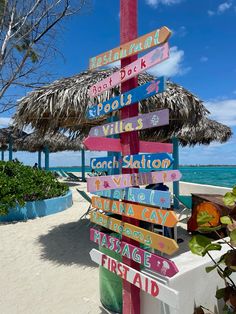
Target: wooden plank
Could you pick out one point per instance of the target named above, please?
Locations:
(134, 95)
(142, 196)
(152, 58)
(141, 161)
(131, 179)
(151, 239)
(140, 44)
(113, 145)
(141, 122)
(155, 262)
(157, 289)
(153, 215)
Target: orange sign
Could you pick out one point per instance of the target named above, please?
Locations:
(154, 240)
(150, 214)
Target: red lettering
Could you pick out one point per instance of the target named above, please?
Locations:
(109, 263)
(125, 272)
(119, 267)
(94, 90)
(130, 72)
(137, 280)
(122, 74)
(135, 69)
(154, 288)
(99, 88)
(143, 64)
(104, 257)
(113, 266)
(110, 81)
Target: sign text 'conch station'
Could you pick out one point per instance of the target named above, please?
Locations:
(152, 58)
(152, 39)
(132, 96)
(131, 179)
(151, 239)
(141, 122)
(142, 161)
(155, 288)
(114, 145)
(155, 262)
(153, 215)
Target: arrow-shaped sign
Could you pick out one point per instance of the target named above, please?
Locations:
(155, 262)
(132, 96)
(152, 58)
(140, 44)
(151, 239)
(131, 179)
(157, 289)
(113, 145)
(141, 122)
(153, 215)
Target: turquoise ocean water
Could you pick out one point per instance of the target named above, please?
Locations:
(220, 176)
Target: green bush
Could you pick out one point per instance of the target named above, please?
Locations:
(20, 183)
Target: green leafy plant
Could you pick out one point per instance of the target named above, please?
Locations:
(226, 265)
(20, 183)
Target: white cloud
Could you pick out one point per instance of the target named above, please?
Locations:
(155, 3)
(172, 66)
(223, 111)
(5, 122)
(221, 8)
(204, 59)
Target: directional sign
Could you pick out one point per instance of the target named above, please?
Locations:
(142, 196)
(153, 215)
(157, 289)
(152, 58)
(157, 37)
(113, 145)
(131, 179)
(134, 95)
(154, 240)
(157, 263)
(141, 122)
(141, 161)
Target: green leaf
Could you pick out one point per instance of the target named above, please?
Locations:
(210, 268)
(203, 217)
(209, 229)
(226, 220)
(198, 243)
(211, 247)
(234, 190)
(220, 293)
(229, 199)
(233, 235)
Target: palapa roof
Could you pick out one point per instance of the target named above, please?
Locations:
(5, 134)
(55, 142)
(63, 103)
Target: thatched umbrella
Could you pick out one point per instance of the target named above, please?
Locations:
(63, 103)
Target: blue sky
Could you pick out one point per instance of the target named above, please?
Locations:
(203, 49)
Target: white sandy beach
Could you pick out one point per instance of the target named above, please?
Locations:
(45, 265)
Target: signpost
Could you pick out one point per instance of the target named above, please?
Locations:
(151, 239)
(155, 288)
(150, 214)
(134, 179)
(114, 145)
(137, 94)
(152, 58)
(157, 263)
(152, 39)
(142, 196)
(141, 122)
(141, 161)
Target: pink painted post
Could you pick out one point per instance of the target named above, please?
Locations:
(129, 142)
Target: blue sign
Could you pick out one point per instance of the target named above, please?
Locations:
(134, 95)
(142, 196)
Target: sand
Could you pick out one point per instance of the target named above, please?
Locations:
(45, 264)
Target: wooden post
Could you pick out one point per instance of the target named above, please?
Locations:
(175, 142)
(129, 142)
(2, 155)
(10, 149)
(46, 152)
(83, 164)
(39, 159)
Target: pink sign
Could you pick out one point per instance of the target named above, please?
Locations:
(157, 263)
(131, 179)
(133, 69)
(153, 287)
(141, 122)
(113, 145)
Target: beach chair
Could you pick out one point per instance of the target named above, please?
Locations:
(88, 199)
(186, 208)
(73, 177)
(63, 174)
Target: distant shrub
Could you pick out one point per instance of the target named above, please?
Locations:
(20, 183)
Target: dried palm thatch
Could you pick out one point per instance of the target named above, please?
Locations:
(54, 142)
(63, 103)
(204, 132)
(6, 133)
